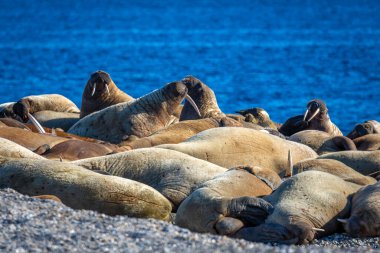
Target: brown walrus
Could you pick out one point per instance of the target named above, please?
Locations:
(322, 142)
(80, 188)
(368, 142)
(364, 219)
(258, 116)
(45, 102)
(101, 92)
(315, 118)
(174, 174)
(333, 167)
(302, 205)
(11, 149)
(365, 162)
(224, 204)
(368, 127)
(235, 146)
(140, 117)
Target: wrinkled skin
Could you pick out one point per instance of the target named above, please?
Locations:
(140, 117)
(224, 204)
(45, 102)
(235, 146)
(333, 167)
(322, 142)
(364, 162)
(101, 98)
(80, 188)
(368, 127)
(368, 142)
(311, 199)
(365, 213)
(175, 175)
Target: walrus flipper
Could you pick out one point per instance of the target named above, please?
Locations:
(250, 210)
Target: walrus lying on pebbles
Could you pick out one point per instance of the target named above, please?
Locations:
(368, 142)
(365, 162)
(322, 142)
(45, 102)
(368, 127)
(224, 204)
(235, 146)
(101, 92)
(79, 188)
(315, 118)
(334, 167)
(364, 219)
(305, 206)
(11, 149)
(172, 173)
(140, 117)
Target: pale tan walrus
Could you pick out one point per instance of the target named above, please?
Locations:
(224, 204)
(101, 92)
(306, 206)
(364, 219)
(140, 117)
(368, 142)
(235, 146)
(175, 175)
(79, 188)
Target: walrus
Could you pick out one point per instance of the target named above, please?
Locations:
(45, 102)
(322, 142)
(368, 127)
(364, 220)
(364, 162)
(140, 117)
(11, 149)
(223, 204)
(305, 206)
(175, 175)
(52, 119)
(258, 116)
(6, 111)
(80, 188)
(10, 122)
(368, 142)
(315, 118)
(234, 146)
(334, 167)
(101, 92)
(173, 134)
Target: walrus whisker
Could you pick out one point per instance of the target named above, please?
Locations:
(318, 229)
(194, 105)
(108, 90)
(93, 90)
(342, 220)
(36, 124)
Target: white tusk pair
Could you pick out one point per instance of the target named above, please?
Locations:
(312, 117)
(194, 105)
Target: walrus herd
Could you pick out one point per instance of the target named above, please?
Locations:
(240, 175)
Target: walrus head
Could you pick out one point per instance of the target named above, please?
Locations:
(21, 109)
(316, 108)
(99, 82)
(361, 130)
(362, 226)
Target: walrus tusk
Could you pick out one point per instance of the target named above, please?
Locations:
(93, 90)
(342, 220)
(318, 229)
(36, 124)
(108, 90)
(312, 116)
(289, 169)
(53, 132)
(194, 105)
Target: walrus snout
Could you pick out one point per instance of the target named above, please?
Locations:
(178, 89)
(21, 109)
(99, 81)
(314, 107)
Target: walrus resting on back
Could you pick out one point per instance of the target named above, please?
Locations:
(140, 117)
(101, 92)
(174, 174)
(46, 102)
(304, 204)
(235, 146)
(80, 188)
(364, 219)
(224, 204)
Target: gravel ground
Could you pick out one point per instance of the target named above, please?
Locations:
(34, 225)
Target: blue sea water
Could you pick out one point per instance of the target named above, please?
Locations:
(277, 55)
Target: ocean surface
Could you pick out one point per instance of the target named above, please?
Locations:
(277, 55)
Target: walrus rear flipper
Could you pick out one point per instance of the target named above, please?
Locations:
(276, 233)
(250, 210)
